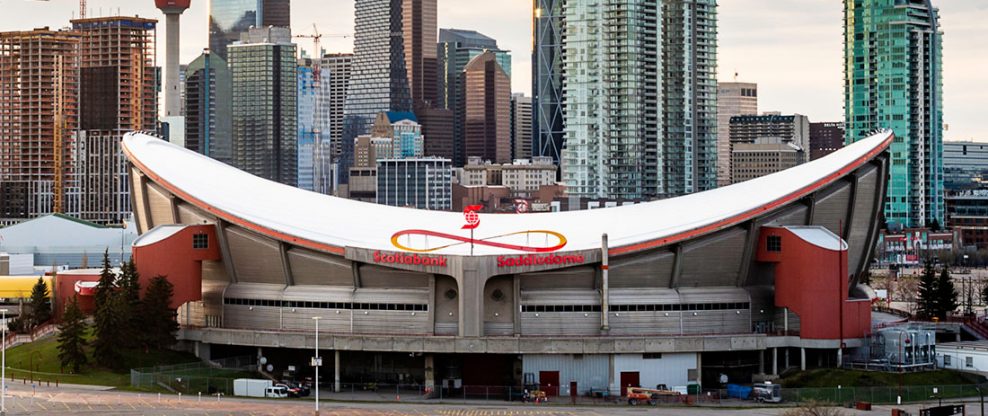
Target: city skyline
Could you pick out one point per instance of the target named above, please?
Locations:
(794, 55)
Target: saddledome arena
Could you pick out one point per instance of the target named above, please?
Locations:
(745, 280)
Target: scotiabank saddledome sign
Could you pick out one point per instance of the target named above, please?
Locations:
(432, 241)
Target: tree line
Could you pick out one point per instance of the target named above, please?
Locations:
(122, 319)
(937, 294)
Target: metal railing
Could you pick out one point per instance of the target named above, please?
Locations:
(210, 377)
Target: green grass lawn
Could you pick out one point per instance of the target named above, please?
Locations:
(39, 361)
(834, 378)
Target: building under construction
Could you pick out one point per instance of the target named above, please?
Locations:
(118, 94)
(39, 114)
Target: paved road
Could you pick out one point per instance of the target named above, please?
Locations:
(23, 400)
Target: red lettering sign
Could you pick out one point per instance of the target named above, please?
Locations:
(409, 259)
(534, 260)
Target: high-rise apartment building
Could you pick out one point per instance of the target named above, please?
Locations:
(689, 145)
(265, 113)
(733, 99)
(486, 109)
(118, 94)
(230, 18)
(637, 95)
(379, 80)
(612, 96)
(39, 115)
(893, 80)
(547, 79)
(521, 126)
(825, 138)
(456, 49)
(208, 123)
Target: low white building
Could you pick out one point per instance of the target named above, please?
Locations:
(559, 373)
(970, 356)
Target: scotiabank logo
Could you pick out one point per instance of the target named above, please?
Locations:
(534, 260)
(428, 241)
(409, 259)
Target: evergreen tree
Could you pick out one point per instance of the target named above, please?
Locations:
(107, 281)
(946, 294)
(130, 308)
(158, 316)
(926, 303)
(109, 338)
(40, 304)
(71, 338)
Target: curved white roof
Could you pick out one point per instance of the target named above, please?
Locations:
(329, 223)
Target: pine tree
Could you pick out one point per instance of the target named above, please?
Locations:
(109, 338)
(40, 304)
(927, 305)
(71, 338)
(130, 308)
(158, 316)
(107, 281)
(946, 294)
(109, 305)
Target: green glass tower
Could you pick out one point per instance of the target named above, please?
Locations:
(893, 80)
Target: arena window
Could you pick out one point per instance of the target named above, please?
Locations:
(200, 241)
(646, 307)
(774, 243)
(328, 305)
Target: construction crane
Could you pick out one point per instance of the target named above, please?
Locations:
(316, 43)
(82, 8)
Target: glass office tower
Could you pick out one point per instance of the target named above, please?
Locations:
(229, 18)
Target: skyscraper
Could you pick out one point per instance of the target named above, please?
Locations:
(893, 79)
(117, 94)
(547, 79)
(39, 113)
(379, 80)
(825, 138)
(264, 68)
(229, 18)
(457, 48)
(208, 123)
(521, 126)
(733, 99)
(689, 148)
(612, 91)
(308, 132)
(486, 109)
(336, 72)
(419, 30)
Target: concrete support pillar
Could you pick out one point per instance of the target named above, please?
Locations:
(761, 362)
(786, 363)
(471, 302)
(775, 361)
(802, 359)
(203, 351)
(336, 371)
(699, 369)
(958, 337)
(840, 358)
(260, 354)
(612, 379)
(430, 373)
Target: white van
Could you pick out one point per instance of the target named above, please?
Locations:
(279, 392)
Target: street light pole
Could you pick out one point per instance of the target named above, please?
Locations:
(3, 366)
(316, 362)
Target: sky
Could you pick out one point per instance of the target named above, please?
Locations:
(793, 49)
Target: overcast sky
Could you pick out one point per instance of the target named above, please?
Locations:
(792, 48)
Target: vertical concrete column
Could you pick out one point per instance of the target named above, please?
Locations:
(336, 371)
(260, 353)
(612, 378)
(786, 359)
(430, 373)
(775, 361)
(761, 362)
(699, 369)
(605, 296)
(471, 282)
(802, 359)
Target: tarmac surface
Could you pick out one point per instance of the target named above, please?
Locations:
(89, 400)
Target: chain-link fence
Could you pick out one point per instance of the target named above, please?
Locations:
(212, 377)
